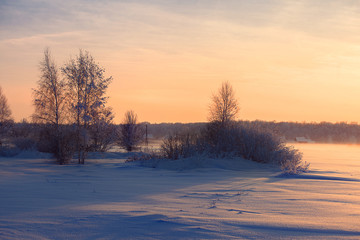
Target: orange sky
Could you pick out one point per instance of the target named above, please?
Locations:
(287, 60)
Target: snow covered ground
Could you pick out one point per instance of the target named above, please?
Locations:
(110, 199)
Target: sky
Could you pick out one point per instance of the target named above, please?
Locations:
(286, 60)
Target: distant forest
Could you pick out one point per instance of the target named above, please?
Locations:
(323, 132)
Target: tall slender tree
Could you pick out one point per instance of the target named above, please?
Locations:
(49, 100)
(50, 95)
(87, 86)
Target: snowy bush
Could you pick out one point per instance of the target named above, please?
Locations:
(144, 156)
(62, 146)
(234, 139)
(102, 136)
(257, 144)
(25, 143)
(290, 160)
(66, 146)
(8, 151)
(5, 129)
(171, 147)
(180, 146)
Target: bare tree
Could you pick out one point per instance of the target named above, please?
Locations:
(5, 112)
(224, 106)
(131, 133)
(5, 116)
(50, 102)
(49, 97)
(87, 87)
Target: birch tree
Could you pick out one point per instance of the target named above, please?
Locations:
(49, 100)
(87, 86)
(50, 94)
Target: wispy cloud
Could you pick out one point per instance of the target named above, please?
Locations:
(43, 38)
(138, 21)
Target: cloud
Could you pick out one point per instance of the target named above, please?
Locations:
(155, 23)
(43, 38)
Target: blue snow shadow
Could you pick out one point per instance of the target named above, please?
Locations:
(311, 176)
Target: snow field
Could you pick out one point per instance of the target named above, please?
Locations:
(110, 199)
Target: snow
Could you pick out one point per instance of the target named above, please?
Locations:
(196, 198)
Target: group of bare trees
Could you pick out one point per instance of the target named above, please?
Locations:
(70, 103)
(70, 108)
(72, 95)
(70, 114)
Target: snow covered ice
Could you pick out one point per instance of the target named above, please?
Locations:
(109, 199)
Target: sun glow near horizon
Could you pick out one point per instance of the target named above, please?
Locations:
(287, 61)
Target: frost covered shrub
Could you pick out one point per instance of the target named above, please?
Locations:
(219, 138)
(249, 141)
(102, 136)
(24, 143)
(46, 141)
(263, 145)
(290, 160)
(62, 146)
(180, 146)
(23, 135)
(257, 144)
(66, 146)
(144, 156)
(171, 148)
(8, 151)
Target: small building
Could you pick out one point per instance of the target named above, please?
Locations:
(303, 140)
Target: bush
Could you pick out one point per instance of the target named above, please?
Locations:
(67, 146)
(234, 139)
(24, 143)
(102, 136)
(8, 151)
(290, 161)
(62, 147)
(180, 146)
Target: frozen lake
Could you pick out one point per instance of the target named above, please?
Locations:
(339, 158)
(107, 199)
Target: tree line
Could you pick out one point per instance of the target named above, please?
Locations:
(323, 132)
